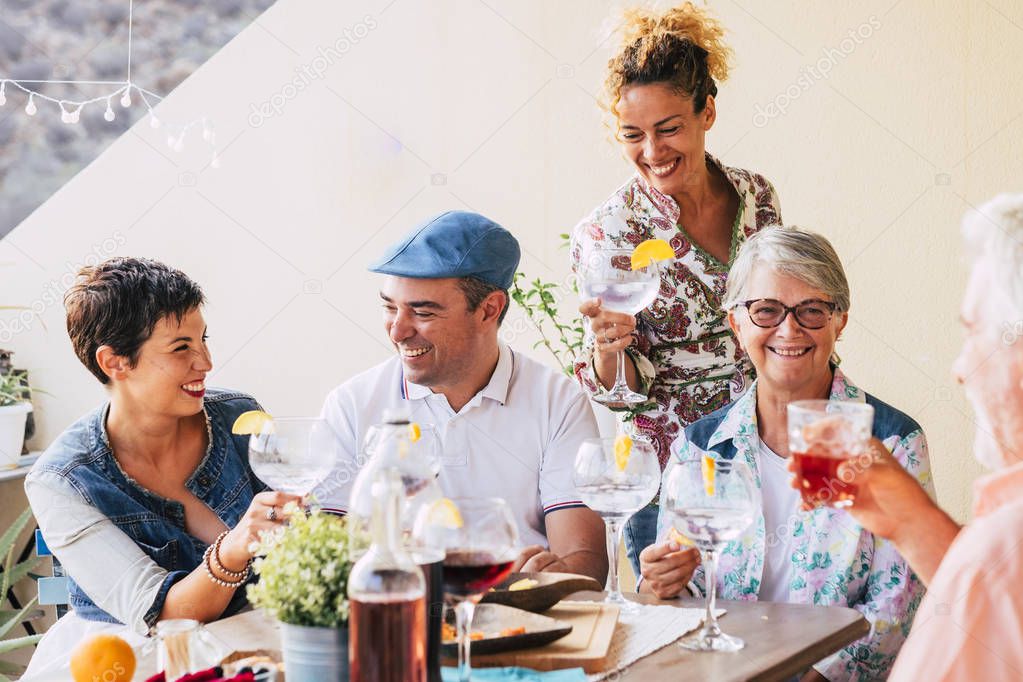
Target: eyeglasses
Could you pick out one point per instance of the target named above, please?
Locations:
(810, 314)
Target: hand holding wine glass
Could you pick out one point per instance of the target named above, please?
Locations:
(711, 502)
(624, 284)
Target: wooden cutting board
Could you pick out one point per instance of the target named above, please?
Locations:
(593, 625)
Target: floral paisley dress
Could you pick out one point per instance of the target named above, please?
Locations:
(688, 360)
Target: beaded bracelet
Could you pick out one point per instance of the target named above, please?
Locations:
(244, 573)
(209, 571)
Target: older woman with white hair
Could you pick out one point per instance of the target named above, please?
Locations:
(970, 625)
(788, 301)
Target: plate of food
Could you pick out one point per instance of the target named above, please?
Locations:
(497, 628)
(538, 592)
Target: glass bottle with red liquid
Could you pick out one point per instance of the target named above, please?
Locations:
(387, 597)
(413, 451)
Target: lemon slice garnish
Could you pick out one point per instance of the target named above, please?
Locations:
(250, 422)
(444, 512)
(678, 538)
(708, 475)
(623, 448)
(524, 584)
(649, 251)
(414, 432)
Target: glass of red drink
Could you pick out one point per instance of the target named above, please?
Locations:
(823, 434)
(480, 542)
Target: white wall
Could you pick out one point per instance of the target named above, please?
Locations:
(462, 103)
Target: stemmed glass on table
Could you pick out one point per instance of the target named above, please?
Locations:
(711, 501)
(616, 477)
(293, 454)
(607, 274)
(480, 542)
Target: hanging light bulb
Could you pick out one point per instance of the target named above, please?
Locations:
(170, 141)
(126, 98)
(154, 122)
(75, 114)
(65, 115)
(30, 108)
(109, 113)
(3, 95)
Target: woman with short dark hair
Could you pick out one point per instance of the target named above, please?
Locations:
(147, 501)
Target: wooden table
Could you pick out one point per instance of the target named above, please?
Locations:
(781, 640)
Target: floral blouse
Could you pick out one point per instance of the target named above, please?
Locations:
(686, 356)
(834, 560)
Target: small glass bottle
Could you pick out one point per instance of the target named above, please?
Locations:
(387, 597)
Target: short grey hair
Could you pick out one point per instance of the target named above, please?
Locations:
(994, 234)
(792, 251)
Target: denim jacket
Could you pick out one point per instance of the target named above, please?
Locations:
(835, 560)
(86, 504)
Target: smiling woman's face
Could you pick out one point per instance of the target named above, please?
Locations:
(788, 358)
(662, 136)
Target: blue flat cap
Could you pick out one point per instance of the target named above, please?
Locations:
(455, 244)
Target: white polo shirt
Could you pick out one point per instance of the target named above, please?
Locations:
(516, 439)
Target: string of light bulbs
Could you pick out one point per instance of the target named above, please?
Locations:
(70, 110)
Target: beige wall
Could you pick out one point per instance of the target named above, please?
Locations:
(917, 118)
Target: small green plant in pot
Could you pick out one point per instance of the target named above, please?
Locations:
(303, 583)
(15, 404)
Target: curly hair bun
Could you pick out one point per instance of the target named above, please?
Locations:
(683, 46)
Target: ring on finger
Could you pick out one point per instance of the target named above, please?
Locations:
(271, 514)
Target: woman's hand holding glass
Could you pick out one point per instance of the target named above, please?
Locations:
(265, 513)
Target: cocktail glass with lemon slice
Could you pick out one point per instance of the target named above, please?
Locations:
(710, 502)
(291, 454)
(616, 477)
(625, 281)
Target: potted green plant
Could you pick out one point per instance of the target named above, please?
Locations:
(13, 572)
(303, 583)
(15, 404)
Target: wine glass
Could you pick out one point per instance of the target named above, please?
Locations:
(712, 502)
(293, 454)
(607, 274)
(616, 477)
(480, 542)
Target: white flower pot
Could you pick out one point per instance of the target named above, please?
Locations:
(12, 433)
(314, 654)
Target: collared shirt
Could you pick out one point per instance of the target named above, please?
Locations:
(970, 624)
(687, 358)
(516, 439)
(124, 546)
(834, 560)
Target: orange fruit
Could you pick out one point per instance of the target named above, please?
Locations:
(649, 251)
(251, 422)
(623, 448)
(103, 658)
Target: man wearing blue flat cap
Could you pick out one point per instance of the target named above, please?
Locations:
(509, 426)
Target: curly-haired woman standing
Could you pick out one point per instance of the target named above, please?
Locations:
(661, 88)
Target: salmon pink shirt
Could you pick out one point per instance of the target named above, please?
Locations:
(970, 623)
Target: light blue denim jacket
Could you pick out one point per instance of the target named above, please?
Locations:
(79, 468)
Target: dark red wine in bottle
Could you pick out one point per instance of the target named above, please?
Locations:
(387, 641)
(433, 571)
